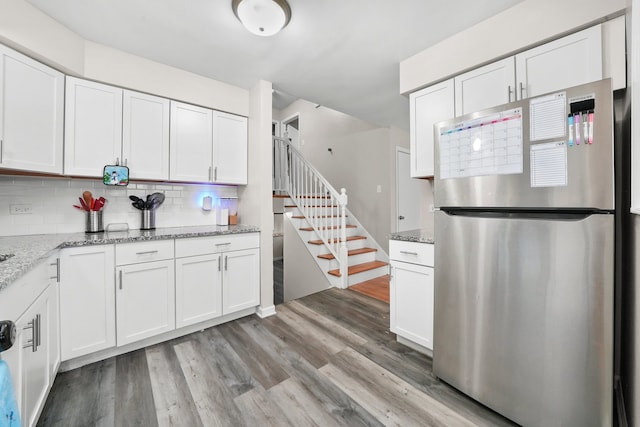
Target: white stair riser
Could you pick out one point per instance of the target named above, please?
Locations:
(368, 275)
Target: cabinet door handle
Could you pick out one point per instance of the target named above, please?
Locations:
(226, 258)
(117, 161)
(521, 91)
(1, 147)
(215, 174)
(509, 93)
(38, 331)
(210, 174)
(223, 244)
(220, 263)
(126, 161)
(120, 278)
(409, 253)
(57, 264)
(32, 343)
(147, 252)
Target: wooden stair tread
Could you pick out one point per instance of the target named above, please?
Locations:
(350, 253)
(359, 268)
(333, 227)
(349, 238)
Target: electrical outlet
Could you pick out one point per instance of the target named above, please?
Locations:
(21, 210)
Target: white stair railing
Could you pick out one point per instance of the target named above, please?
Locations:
(323, 206)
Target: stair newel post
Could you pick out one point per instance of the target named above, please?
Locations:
(344, 257)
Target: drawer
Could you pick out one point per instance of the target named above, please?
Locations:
(213, 244)
(413, 252)
(132, 253)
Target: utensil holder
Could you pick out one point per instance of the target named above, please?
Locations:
(148, 219)
(94, 222)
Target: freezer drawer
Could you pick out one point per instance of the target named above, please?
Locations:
(524, 315)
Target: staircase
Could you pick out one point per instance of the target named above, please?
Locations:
(342, 248)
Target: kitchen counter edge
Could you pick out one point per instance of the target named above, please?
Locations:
(418, 236)
(29, 250)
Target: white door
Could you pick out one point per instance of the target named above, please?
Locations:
(428, 107)
(31, 114)
(145, 135)
(145, 300)
(572, 60)
(87, 300)
(240, 280)
(191, 143)
(411, 294)
(198, 289)
(229, 148)
(486, 87)
(93, 127)
(408, 193)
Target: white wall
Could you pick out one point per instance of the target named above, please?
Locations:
(52, 200)
(255, 199)
(526, 24)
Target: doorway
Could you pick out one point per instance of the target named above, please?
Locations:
(408, 193)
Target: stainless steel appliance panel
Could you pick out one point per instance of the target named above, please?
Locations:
(523, 314)
(589, 166)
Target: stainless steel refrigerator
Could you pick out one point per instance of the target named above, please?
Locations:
(524, 257)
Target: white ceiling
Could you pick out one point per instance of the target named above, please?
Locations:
(343, 54)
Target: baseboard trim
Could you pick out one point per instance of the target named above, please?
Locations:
(263, 312)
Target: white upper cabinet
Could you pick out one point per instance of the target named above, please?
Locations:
(428, 107)
(570, 61)
(191, 147)
(145, 136)
(486, 87)
(31, 114)
(93, 127)
(229, 148)
(207, 146)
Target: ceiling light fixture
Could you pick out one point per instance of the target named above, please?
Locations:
(262, 17)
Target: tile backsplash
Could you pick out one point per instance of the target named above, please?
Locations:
(51, 203)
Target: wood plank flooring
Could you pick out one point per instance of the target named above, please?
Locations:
(324, 360)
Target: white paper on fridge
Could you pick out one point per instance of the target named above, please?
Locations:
(548, 164)
(548, 117)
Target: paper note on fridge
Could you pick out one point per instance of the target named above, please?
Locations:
(547, 117)
(548, 164)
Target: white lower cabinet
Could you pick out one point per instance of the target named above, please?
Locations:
(412, 292)
(198, 289)
(145, 300)
(240, 280)
(145, 290)
(32, 304)
(87, 300)
(216, 276)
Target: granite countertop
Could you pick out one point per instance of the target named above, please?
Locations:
(419, 235)
(25, 252)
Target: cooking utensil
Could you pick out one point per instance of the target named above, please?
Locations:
(156, 199)
(134, 198)
(88, 199)
(98, 204)
(78, 207)
(83, 204)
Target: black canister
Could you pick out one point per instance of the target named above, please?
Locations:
(7, 334)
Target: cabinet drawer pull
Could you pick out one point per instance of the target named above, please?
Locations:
(223, 244)
(146, 253)
(409, 253)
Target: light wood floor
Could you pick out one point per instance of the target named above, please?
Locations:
(377, 288)
(324, 360)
